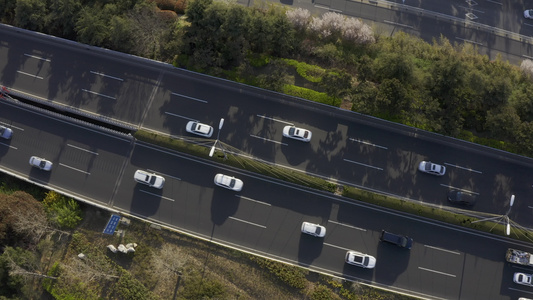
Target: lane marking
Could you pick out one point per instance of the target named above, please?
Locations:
(468, 169)
(247, 222)
(11, 126)
(72, 168)
(79, 148)
(449, 251)
(37, 57)
(367, 143)
(321, 6)
(162, 197)
(527, 24)
(338, 247)
(495, 2)
(27, 74)
(253, 200)
(277, 120)
(166, 175)
(108, 76)
(521, 291)
(268, 140)
(179, 116)
(346, 225)
(365, 165)
(188, 97)
(99, 94)
(442, 273)
(462, 190)
(9, 146)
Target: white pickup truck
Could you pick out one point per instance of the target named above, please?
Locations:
(519, 257)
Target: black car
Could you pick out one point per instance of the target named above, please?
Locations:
(396, 239)
(462, 198)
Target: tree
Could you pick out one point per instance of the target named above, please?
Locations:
(336, 83)
(196, 9)
(7, 11)
(61, 20)
(30, 14)
(91, 27)
(63, 211)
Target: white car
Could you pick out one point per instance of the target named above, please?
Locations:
(313, 229)
(361, 260)
(229, 182)
(150, 179)
(199, 129)
(296, 133)
(521, 278)
(431, 168)
(5, 132)
(528, 13)
(40, 163)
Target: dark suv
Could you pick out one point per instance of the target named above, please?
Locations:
(396, 239)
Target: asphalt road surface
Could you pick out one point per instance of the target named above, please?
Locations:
(346, 147)
(264, 218)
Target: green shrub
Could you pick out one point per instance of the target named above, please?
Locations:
(310, 95)
(63, 211)
(311, 73)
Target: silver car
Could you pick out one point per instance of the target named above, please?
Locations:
(313, 229)
(431, 168)
(5, 132)
(150, 179)
(40, 163)
(361, 260)
(522, 278)
(296, 133)
(229, 182)
(199, 129)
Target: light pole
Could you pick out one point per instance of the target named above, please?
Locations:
(218, 135)
(506, 217)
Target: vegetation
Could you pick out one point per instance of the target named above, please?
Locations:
(441, 87)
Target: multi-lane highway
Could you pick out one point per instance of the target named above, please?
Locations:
(353, 149)
(264, 218)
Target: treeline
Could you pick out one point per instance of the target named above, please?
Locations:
(441, 87)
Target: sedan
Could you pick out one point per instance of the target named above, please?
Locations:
(528, 14)
(5, 132)
(150, 179)
(313, 229)
(459, 197)
(522, 278)
(40, 163)
(361, 260)
(431, 168)
(229, 182)
(199, 129)
(296, 133)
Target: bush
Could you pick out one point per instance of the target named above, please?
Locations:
(291, 275)
(64, 212)
(309, 72)
(310, 95)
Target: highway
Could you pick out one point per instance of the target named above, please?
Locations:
(264, 218)
(98, 165)
(347, 147)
